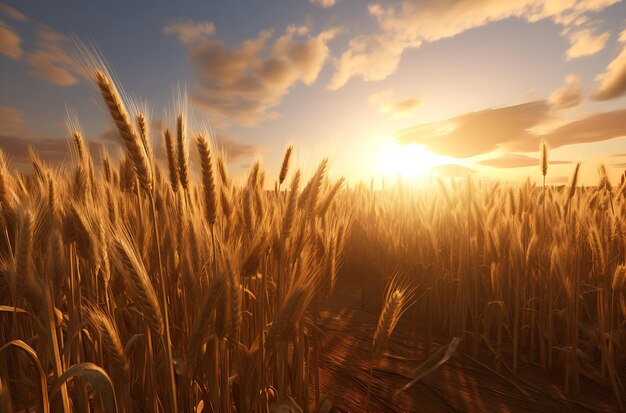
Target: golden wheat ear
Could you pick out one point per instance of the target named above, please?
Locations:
(128, 262)
(134, 145)
(284, 167)
(208, 180)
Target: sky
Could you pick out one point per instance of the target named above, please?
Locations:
(416, 88)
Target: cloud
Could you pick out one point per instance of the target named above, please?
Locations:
(12, 13)
(187, 31)
(246, 84)
(11, 121)
(50, 149)
(50, 61)
(569, 95)
(479, 132)
(10, 42)
(324, 3)
(452, 170)
(514, 160)
(233, 149)
(227, 145)
(613, 80)
(559, 180)
(585, 43)
(513, 128)
(385, 103)
(594, 128)
(14, 139)
(376, 56)
(371, 57)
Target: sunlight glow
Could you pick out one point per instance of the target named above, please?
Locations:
(409, 161)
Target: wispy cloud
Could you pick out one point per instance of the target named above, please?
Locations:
(613, 80)
(12, 13)
(479, 132)
(385, 102)
(375, 56)
(229, 145)
(585, 42)
(514, 160)
(187, 31)
(10, 41)
(11, 121)
(569, 95)
(51, 61)
(594, 128)
(453, 170)
(512, 128)
(324, 3)
(245, 84)
(15, 139)
(233, 149)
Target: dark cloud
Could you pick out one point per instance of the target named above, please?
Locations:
(514, 160)
(479, 132)
(245, 84)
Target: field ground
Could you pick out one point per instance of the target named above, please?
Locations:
(460, 385)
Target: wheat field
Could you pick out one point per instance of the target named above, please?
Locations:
(137, 285)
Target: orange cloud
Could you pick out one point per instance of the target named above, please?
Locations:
(376, 56)
(10, 41)
(613, 80)
(514, 160)
(50, 61)
(244, 85)
(324, 3)
(585, 43)
(11, 121)
(187, 31)
(228, 145)
(12, 13)
(453, 170)
(594, 128)
(386, 104)
(569, 95)
(479, 132)
(234, 150)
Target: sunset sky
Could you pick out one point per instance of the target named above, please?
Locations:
(442, 87)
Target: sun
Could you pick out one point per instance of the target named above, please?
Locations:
(409, 161)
